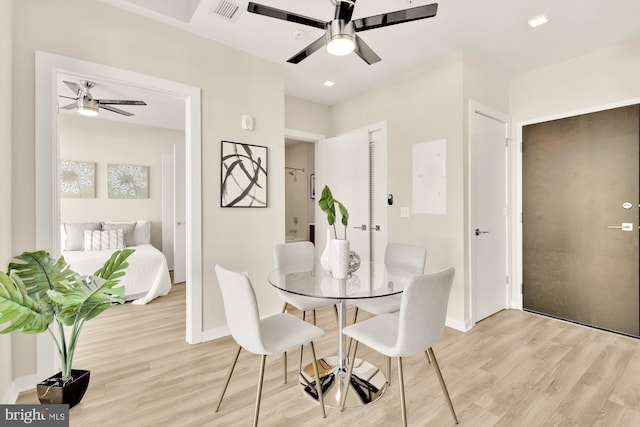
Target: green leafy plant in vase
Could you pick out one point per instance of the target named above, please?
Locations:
(39, 293)
(337, 258)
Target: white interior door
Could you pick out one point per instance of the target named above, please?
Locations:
(342, 163)
(489, 219)
(180, 215)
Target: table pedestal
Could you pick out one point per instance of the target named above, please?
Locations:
(367, 383)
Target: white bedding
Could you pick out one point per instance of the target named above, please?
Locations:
(146, 278)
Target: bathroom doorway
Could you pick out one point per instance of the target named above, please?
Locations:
(299, 190)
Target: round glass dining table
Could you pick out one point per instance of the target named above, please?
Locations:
(371, 280)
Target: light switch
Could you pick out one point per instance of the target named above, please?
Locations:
(404, 212)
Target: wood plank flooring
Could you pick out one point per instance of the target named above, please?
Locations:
(512, 369)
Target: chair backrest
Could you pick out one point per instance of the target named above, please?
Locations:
(240, 309)
(408, 257)
(294, 257)
(423, 311)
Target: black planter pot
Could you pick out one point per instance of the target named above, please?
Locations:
(54, 391)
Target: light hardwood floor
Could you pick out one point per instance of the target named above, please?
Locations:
(512, 369)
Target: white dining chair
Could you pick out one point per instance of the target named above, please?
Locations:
(410, 258)
(412, 330)
(274, 334)
(295, 257)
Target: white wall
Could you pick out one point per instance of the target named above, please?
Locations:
(106, 141)
(428, 104)
(232, 82)
(592, 82)
(422, 106)
(6, 38)
(306, 116)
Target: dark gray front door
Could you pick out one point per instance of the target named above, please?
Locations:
(580, 196)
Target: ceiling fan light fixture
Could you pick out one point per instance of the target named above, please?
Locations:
(88, 107)
(340, 37)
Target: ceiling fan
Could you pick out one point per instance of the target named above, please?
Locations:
(340, 33)
(88, 105)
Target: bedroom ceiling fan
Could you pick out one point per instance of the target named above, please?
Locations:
(87, 105)
(340, 33)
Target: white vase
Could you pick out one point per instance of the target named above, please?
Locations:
(340, 258)
(325, 257)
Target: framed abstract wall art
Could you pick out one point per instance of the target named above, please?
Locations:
(127, 181)
(77, 179)
(243, 175)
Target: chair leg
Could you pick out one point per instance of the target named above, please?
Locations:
(259, 393)
(284, 355)
(304, 317)
(347, 381)
(402, 398)
(316, 372)
(226, 384)
(355, 317)
(431, 356)
(388, 370)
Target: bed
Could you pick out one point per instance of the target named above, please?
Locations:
(147, 276)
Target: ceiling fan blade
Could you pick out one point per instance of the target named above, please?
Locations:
(74, 87)
(398, 17)
(308, 50)
(70, 106)
(365, 52)
(115, 110)
(344, 9)
(120, 102)
(68, 97)
(272, 12)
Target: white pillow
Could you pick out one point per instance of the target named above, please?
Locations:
(128, 227)
(142, 233)
(73, 234)
(100, 240)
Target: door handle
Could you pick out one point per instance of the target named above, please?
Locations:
(479, 232)
(625, 226)
(362, 227)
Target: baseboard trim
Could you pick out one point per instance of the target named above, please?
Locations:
(20, 384)
(460, 325)
(215, 333)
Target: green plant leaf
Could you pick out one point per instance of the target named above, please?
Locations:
(41, 273)
(17, 307)
(86, 297)
(326, 204)
(344, 213)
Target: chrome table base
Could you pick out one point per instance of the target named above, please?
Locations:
(368, 383)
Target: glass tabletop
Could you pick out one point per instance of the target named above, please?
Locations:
(371, 280)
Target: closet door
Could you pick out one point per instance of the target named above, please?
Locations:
(580, 219)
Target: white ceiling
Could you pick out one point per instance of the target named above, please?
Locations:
(495, 31)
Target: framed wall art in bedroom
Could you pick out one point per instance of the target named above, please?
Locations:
(243, 181)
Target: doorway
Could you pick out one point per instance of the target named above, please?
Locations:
(580, 186)
(299, 195)
(47, 157)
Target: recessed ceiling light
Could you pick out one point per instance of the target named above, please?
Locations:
(536, 21)
(329, 83)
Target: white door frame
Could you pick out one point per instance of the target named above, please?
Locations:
(516, 299)
(478, 108)
(47, 157)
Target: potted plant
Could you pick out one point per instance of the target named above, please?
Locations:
(39, 293)
(340, 259)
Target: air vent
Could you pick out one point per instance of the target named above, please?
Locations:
(227, 10)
